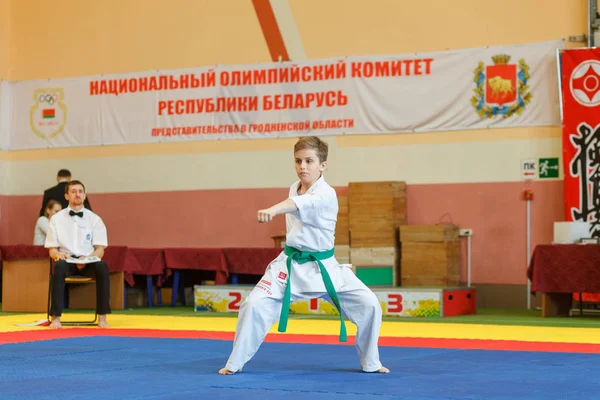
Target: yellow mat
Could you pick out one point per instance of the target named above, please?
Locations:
(330, 327)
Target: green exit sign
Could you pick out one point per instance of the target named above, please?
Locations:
(548, 168)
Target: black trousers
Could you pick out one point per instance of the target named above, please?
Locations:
(63, 269)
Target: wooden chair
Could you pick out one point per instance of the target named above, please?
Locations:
(70, 280)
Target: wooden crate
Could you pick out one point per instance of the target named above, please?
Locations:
(428, 233)
(342, 228)
(342, 253)
(376, 210)
(376, 265)
(279, 240)
(374, 255)
(430, 264)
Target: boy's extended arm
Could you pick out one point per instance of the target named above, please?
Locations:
(286, 206)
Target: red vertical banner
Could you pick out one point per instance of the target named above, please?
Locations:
(580, 79)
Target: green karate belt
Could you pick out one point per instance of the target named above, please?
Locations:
(303, 257)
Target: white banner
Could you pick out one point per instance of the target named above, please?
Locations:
(464, 89)
(4, 115)
(394, 302)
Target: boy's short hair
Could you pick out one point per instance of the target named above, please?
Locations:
(313, 143)
(73, 183)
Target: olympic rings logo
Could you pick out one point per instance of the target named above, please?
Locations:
(48, 98)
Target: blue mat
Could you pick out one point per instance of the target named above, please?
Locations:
(141, 368)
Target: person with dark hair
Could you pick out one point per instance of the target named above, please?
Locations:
(57, 193)
(41, 226)
(76, 241)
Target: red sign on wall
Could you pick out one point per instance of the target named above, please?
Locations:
(580, 80)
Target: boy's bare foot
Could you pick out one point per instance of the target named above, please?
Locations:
(225, 371)
(383, 370)
(102, 321)
(55, 324)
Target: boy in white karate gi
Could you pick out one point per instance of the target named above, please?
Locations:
(307, 268)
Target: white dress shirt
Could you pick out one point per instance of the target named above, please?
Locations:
(312, 226)
(74, 235)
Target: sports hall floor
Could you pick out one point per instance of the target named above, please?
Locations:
(174, 353)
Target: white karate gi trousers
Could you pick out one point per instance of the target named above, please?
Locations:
(262, 308)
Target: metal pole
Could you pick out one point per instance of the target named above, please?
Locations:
(528, 252)
(469, 261)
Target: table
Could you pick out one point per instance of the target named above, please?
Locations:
(251, 260)
(26, 279)
(559, 270)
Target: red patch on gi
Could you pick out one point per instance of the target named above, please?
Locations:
(282, 275)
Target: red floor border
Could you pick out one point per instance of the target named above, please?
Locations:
(473, 344)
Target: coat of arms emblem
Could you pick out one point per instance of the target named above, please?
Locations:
(501, 89)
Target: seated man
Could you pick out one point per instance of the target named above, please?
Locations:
(76, 232)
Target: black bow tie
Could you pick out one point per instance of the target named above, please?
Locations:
(73, 213)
